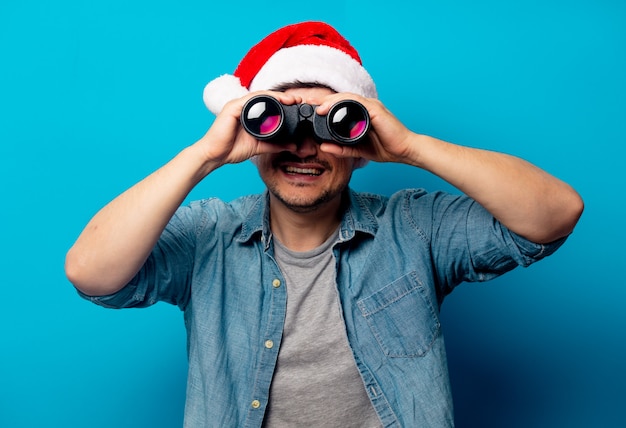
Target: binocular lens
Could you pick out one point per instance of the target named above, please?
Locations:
(263, 118)
(348, 121)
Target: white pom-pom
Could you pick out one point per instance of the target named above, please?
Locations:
(221, 90)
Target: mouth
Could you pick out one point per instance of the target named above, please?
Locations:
(293, 170)
(302, 167)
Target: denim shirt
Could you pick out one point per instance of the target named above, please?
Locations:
(396, 259)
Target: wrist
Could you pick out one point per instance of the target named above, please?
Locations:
(418, 148)
(196, 161)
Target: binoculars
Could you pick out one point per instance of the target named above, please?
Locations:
(265, 118)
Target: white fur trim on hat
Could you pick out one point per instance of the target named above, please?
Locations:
(222, 90)
(315, 64)
(303, 63)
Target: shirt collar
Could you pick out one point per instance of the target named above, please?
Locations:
(357, 217)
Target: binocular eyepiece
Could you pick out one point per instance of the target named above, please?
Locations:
(265, 118)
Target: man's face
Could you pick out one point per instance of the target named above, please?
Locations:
(305, 179)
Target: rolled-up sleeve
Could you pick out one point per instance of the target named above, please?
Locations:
(166, 274)
(469, 244)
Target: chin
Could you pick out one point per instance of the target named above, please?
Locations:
(305, 204)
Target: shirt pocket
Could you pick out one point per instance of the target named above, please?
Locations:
(402, 318)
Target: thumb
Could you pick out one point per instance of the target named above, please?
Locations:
(341, 151)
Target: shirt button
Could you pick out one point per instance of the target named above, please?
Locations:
(276, 283)
(269, 344)
(256, 404)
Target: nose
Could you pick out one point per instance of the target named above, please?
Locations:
(306, 147)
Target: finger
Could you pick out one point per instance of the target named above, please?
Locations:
(282, 97)
(325, 104)
(340, 150)
(268, 147)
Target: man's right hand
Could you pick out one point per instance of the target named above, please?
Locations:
(227, 142)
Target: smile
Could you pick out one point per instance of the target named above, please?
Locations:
(306, 171)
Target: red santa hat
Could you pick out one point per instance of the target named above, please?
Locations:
(308, 52)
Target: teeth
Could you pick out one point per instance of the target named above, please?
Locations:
(309, 171)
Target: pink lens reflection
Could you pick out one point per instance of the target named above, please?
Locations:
(269, 125)
(357, 129)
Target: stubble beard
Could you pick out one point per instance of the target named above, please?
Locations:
(297, 202)
(304, 205)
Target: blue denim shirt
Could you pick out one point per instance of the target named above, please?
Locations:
(397, 258)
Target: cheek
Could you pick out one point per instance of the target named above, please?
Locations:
(262, 162)
(345, 167)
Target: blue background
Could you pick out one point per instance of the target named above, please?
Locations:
(94, 95)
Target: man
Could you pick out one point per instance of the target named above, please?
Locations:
(313, 305)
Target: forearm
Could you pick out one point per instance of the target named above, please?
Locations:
(118, 239)
(526, 199)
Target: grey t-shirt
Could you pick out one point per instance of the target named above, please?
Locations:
(316, 382)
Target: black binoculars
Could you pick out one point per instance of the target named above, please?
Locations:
(265, 118)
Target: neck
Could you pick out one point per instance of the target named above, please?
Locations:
(303, 231)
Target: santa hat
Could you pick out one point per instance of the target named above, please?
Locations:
(308, 52)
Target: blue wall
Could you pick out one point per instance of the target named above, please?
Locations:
(94, 95)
